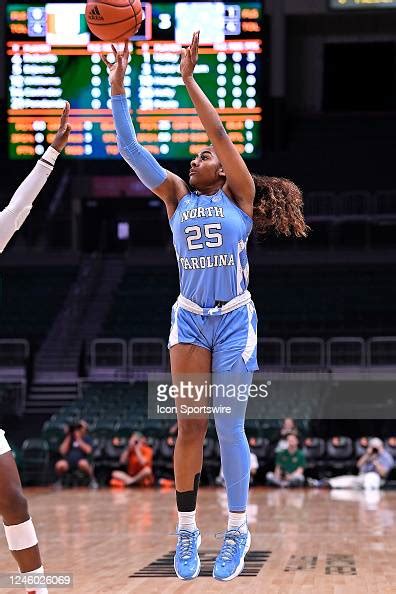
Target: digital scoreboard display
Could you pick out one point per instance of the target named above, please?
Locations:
(361, 4)
(52, 56)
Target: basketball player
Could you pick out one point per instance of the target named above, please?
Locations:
(19, 530)
(214, 320)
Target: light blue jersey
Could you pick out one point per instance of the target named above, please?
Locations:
(210, 235)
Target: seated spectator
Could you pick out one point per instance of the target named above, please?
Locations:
(137, 458)
(254, 465)
(374, 466)
(288, 427)
(75, 450)
(289, 465)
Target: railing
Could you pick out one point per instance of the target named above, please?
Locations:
(347, 351)
(305, 352)
(117, 357)
(114, 357)
(381, 351)
(271, 352)
(14, 356)
(147, 353)
(12, 396)
(109, 356)
(355, 205)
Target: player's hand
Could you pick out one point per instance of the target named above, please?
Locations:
(62, 136)
(118, 68)
(189, 57)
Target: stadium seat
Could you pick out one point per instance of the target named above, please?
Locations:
(261, 447)
(104, 429)
(53, 434)
(211, 456)
(114, 448)
(163, 464)
(314, 449)
(124, 430)
(390, 445)
(361, 446)
(340, 455)
(21, 317)
(34, 461)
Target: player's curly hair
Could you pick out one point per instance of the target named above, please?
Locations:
(278, 207)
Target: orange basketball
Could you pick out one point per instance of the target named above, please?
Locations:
(114, 20)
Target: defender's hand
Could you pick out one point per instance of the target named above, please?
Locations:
(62, 136)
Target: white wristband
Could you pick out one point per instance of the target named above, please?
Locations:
(49, 157)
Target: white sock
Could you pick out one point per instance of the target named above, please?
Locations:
(187, 521)
(237, 521)
(32, 588)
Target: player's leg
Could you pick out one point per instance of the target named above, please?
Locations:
(20, 533)
(235, 461)
(234, 360)
(186, 361)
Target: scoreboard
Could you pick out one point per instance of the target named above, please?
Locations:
(361, 4)
(52, 56)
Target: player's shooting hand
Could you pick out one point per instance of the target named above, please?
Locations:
(118, 68)
(189, 57)
(62, 136)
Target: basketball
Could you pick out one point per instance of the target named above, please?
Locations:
(114, 20)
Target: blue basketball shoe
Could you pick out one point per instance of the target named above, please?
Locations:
(186, 561)
(231, 559)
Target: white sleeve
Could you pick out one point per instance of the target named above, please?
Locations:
(14, 215)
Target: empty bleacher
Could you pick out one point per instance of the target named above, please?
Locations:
(31, 298)
(291, 300)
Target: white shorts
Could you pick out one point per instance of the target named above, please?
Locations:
(4, 447)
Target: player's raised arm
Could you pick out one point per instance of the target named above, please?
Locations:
(166, 185)
(239, 180)
(14, 215)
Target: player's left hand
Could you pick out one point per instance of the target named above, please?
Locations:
(189, 57)
(62, 136)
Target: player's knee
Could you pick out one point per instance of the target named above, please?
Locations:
(13, 506)
(230, 430)
(192, 430)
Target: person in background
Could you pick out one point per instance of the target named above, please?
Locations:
(289, 466)
(138, 460)
(75, 451)
(374, 467)
(288, 427)
(19, 529)
(254, 465)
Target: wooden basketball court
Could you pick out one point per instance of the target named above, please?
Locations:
(303, 541)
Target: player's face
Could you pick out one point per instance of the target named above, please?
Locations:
(206, 169)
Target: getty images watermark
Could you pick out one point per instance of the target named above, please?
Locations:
(196, 396)
(309, 395)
